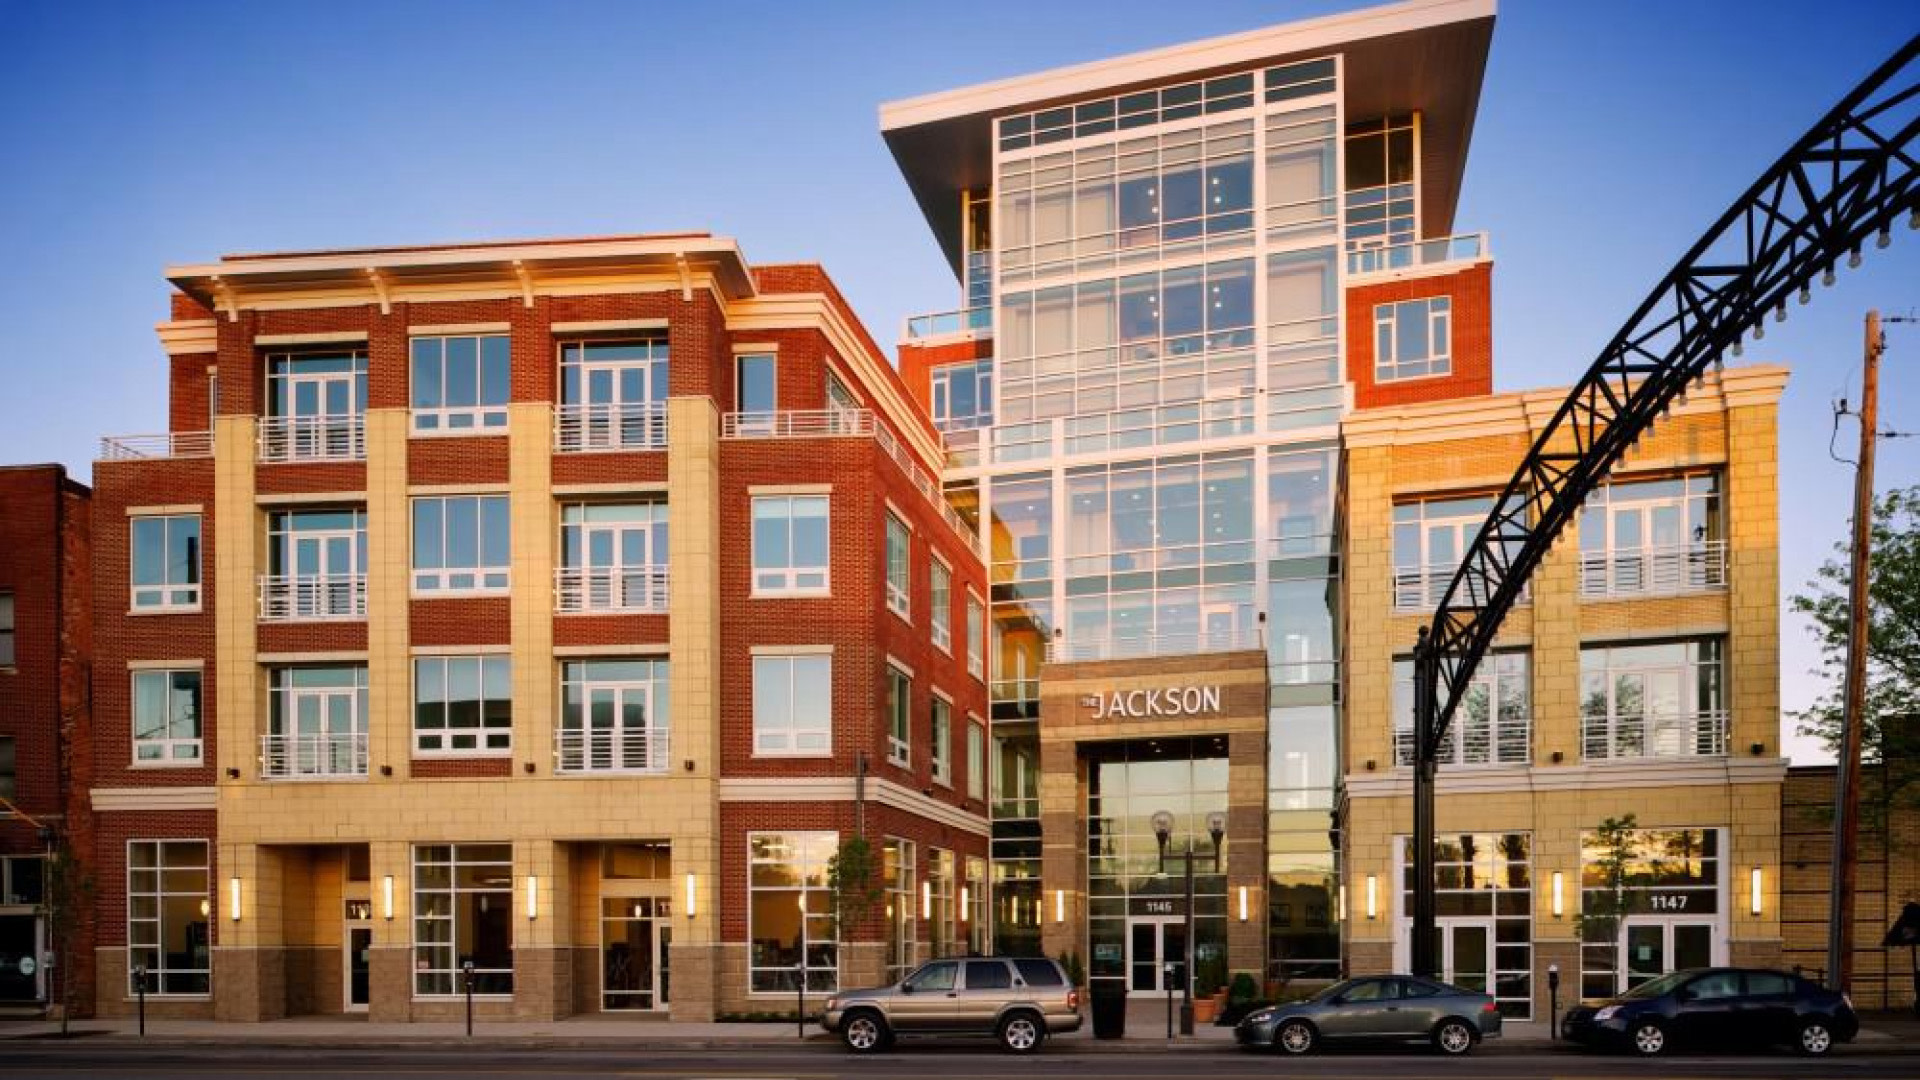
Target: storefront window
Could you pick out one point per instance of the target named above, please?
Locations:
(903, 907)
(942, 913)
(462, 912)
(168, 909)
(1649, 904)
(790, 913)
(1484, 904)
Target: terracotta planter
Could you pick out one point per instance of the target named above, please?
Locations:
(1205, 1009)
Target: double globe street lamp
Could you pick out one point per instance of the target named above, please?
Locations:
(1163, 832)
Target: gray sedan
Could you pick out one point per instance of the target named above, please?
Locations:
(1377, 1008)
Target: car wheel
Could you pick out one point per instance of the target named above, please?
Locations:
(1816, 1038)
(1296, 1037)
(1453, 1037)
(864, 1032)
(1022, 1033)
(1649, 1038)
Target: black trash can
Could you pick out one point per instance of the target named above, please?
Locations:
(1109, 1008)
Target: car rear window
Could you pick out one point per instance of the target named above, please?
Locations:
(1039, 973)
(987, 975)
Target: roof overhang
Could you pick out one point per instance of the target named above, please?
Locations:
(1425, 56)
(236, 280)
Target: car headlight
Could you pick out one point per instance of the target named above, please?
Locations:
(1260, 1016)
(1607, 1013)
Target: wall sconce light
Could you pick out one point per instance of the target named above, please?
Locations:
(692, 896)
(1754, 904)
(233, 898)
(926, 899)
(1370, 765)
(1758, 749)
(1243, 903)
(533, 897)
(1558, 757)
(966, 896)
(1373, 897)
(1059, 905)
(1559, 894)
(386, 770)
(233, 774)
(1342, 905)
(386, 897)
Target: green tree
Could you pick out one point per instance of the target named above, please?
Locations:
(856, 882)
(66, 899)
(1890, 722)
(1612, 851)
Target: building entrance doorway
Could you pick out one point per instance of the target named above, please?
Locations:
(22, 964)
(1657, 946)
(1156, 954)
(359, 965)
(634, 947)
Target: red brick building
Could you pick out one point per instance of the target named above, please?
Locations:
(560, 608)
(45, 642)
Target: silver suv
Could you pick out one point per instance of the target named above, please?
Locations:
(1017, 1000)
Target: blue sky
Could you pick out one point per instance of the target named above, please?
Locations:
(137, 135)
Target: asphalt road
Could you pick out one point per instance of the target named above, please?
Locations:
(28, 1060)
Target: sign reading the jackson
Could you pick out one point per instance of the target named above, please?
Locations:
(1170, 701)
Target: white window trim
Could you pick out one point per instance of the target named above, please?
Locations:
(756, 590)
(899, 599)
(413, 917)
(126, 983)
(134, 607)
(792, 749)
(772, 356)
(977, 778)
(134, 741)
(414, 573)
(802, 890)
(1439, 359)
(413, 722)
(940, 754)
(940, 616)
(976, 642)
(900, 752)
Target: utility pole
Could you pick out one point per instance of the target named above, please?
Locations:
(1846, 813)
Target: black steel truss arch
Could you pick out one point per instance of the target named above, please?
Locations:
(1842, 184)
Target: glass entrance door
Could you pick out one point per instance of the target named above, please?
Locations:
(359, 965)
(1468, 954)
(1655, 948)
(634, 937)
(21, 975)
(1153, 947)
(623, 565)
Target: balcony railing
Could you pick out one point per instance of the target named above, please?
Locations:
(1419, 588)
(1655, 571)
(172, 444)
(796, 424)
(332, 437)
(592, 428)
(287, 597)
(1697, 734)
(314, 757)
(969, 321)
(1137, 646)
(927, 485)
(1467, 247)
(1507, 740)
(611, 750)
(610, 590)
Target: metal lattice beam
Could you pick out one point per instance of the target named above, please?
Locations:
(1845, 181)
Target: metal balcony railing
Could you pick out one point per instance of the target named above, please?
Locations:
(593, 428)
(610, 590)
(1467, 247)
(332, 437)
(1137, 646)
(287, 597)
(972, 322)
(172, 444)
(611, 750)
(1506, 740)
(1655, 571)
(313, 757)
(1695, 734)
(796, 424)
(1419, 588)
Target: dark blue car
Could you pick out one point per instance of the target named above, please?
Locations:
(1723, 1007)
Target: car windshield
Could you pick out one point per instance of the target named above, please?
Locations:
(1653, 988)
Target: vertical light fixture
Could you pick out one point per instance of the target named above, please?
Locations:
(386, 897)
(926, 899)
(533, 897)
(1342, 916)
(966, 896)
(692, 896)
(1059, 905)
(1559, 894)
(1243, 903)
(1754, 884)
(233, 898)
(1373, 897)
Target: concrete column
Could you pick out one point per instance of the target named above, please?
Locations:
(236, 617)
(542, 953)
(1246, 842)
(250, 963)
(389, 561)
(390, 965)
(1063, 855)
(530, 501)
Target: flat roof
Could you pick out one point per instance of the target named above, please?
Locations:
(1425, 56)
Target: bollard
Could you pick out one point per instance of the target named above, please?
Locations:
(466, 970)
(140, 992)
(800, 984)
(1553, 1002)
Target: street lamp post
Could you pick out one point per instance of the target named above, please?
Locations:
(1163, 832)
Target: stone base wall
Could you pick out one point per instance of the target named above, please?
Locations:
(542, 983)
(112, 1001)
(249, 984)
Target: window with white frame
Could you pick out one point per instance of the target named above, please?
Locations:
(1412, 338)
(976, 637)
(1430, 537)
(899, 721)
(793, 704)
(963, 395)
(615, 715)
(790, 549)
(6, 629)
(461, 384)
(973, 907)
(976, 760)
(169, 899)
(463, 704)
(942, 940)
(1653, 698)
(1662, 535)
(613, 557)
(316, 722)
(899, 567)
(1493, 723)
(756, 389)
(460, 544)
(462, 912)
(900, 878)
(942, 740)
(166, 717)
(790, 913)
(166, 562)
(940, 605)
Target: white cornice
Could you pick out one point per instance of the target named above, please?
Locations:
(841, 789)
(1591, 776)
(188, 337)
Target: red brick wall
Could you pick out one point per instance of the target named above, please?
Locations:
(30, 690)
(462, 460)
(1471, 291)
(113, 830)
(918, 361)
(187, 393)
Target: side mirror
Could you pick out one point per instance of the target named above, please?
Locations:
(1337, 999)
(906, 988)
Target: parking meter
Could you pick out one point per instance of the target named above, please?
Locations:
(466, 972)
(1553, 1001)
